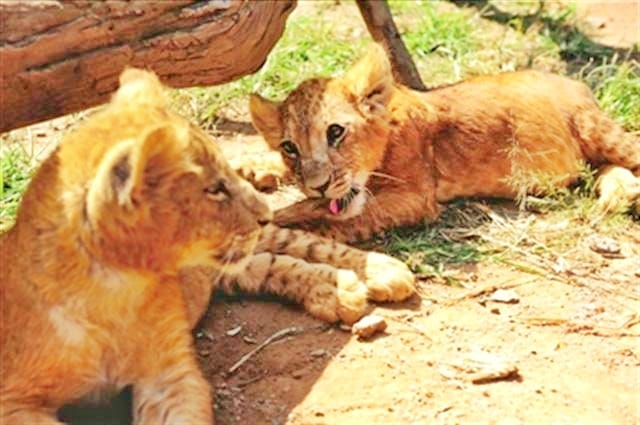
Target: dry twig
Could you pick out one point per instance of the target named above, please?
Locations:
(294, 330)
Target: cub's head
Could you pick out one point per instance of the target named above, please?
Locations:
(152, 191)
(332, 133)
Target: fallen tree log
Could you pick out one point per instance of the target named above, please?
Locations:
(58, 57)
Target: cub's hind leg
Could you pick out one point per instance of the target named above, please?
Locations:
(617, 189)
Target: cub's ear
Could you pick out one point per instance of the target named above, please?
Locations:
(133, 165)
(265, 115)
(140, 86)
(371, 81)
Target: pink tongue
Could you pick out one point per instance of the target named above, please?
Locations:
(333, 207)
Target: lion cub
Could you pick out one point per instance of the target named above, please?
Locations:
(371, 154)
(121, 237)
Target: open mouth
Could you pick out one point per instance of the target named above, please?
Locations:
(336, 206)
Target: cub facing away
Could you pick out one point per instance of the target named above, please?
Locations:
(371, 154)
(120, 239)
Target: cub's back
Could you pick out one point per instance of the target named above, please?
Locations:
(517, 124)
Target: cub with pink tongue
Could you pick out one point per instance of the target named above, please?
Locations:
(336, 206)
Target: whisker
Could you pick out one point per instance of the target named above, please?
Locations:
(372, 203)
(387, 176)
(223, 269)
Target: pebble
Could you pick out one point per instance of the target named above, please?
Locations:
(234, 331)
(369, 326)
(507, 296)
(606, 246)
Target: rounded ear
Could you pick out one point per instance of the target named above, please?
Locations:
(371, 80)
(128, 166)
(140, 86)
(265, 116)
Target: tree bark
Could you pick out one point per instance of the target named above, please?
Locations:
(58, 57)
(377, 16)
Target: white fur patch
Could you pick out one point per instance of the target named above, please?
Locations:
(70, 330)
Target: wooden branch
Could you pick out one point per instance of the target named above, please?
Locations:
(58, 57)
(380, 24)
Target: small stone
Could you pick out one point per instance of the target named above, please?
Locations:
(234, 331)
(369, 326)
(223, 393)
(249, 340)
(507, 296)
(560, 266)
(318, 353)
(204, 334)
(606, 246)
(298, 374)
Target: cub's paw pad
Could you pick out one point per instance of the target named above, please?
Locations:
(387, 278)
(345, 300)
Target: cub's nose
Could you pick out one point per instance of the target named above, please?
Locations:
(323, 187)
(264, 213)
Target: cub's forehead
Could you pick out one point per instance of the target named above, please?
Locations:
(305, 101)
(314, 102)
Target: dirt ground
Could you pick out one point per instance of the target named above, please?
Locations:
(570, 352)
(614, 23)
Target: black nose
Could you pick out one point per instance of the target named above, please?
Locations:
(323, 187)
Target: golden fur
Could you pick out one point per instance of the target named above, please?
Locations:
(404, 152)
(120, 239)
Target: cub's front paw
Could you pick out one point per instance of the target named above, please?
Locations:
(345, 300)
(387, 278)
(265, 171)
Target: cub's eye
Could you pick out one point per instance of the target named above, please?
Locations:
(335, 134)
(217, 191)
(289, 148)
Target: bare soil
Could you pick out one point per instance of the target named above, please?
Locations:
(612, 23)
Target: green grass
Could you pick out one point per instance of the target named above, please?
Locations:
(429, 248)
(617, 88)
(16, 169)
(308, 48)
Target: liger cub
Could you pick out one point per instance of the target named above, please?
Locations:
(121, 237)
(371, 154)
